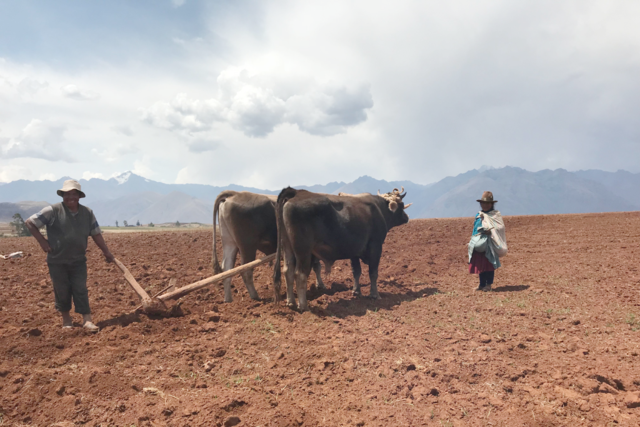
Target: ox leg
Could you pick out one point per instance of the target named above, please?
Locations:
(247, 276)
(303, 268)
(228, 262)
(357, 271)
(373, 276)
(289, 273)
(317, 268)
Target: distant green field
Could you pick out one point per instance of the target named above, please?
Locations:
(160, 227)
(6, 230)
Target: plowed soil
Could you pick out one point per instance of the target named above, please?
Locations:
(556, 343)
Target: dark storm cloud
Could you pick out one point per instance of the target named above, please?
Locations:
(531, 89)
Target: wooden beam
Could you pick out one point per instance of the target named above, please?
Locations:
(180, 292)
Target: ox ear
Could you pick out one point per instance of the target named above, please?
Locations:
(406, 206)
(393, 206)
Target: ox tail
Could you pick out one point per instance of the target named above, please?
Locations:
(283, 197)
(222, 197)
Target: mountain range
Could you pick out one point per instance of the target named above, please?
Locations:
(133, 198)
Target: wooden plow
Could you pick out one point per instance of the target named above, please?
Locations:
(156, 305)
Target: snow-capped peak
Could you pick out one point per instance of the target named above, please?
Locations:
(123, 177)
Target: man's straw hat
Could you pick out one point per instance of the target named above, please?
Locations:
(70, 184)
(487, 196)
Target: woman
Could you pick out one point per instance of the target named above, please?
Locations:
(488, 242)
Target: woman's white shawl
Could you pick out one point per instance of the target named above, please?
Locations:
(493, 247)
(493, 221)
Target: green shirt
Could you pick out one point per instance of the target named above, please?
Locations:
(67, 234)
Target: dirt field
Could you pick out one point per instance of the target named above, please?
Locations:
(556, 343)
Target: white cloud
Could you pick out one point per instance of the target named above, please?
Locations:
(10, 173)
(185, 176)
(38, 140)
(73, 92)
(329, 111)
(143, 167)
(47, 177)
(183, 114)
(88, 175)
(124, 149)
(124, 130)
(115, 152)
(31, 86)
(178, 3)
(200, 145)
(256, 104)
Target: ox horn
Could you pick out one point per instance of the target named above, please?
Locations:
(379, 193)
(407, 206)
(402, 195)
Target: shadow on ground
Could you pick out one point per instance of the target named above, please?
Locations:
(517, 288)
(350, 305)
(122, 320)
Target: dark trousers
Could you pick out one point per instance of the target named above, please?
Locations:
(70, 282)
(486, 278)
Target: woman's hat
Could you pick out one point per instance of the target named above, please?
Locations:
(70, 184)
(487, 196)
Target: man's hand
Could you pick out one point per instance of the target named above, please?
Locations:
(108, 256)
(45, 245)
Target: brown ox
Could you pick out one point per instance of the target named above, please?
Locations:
(247, 224)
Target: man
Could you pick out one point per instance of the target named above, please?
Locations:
(69, 224)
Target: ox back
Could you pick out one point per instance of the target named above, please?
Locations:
(247, 225)
(330, 228)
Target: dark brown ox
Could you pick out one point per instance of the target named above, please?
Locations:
(247, 224)
(330, 228)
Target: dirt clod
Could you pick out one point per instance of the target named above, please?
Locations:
(152, 391)
(231, 404)
(219, 353)
(35, 332)
(231, 421)
(632, 400)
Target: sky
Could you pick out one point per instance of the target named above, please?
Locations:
(275, 93)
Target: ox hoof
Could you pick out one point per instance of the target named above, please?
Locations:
(228, 300)
(374, 296)
(292, 305)
(357, 293)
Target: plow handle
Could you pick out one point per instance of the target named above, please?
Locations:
(132, 281)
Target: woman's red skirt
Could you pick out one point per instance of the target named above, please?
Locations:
(479, 263)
